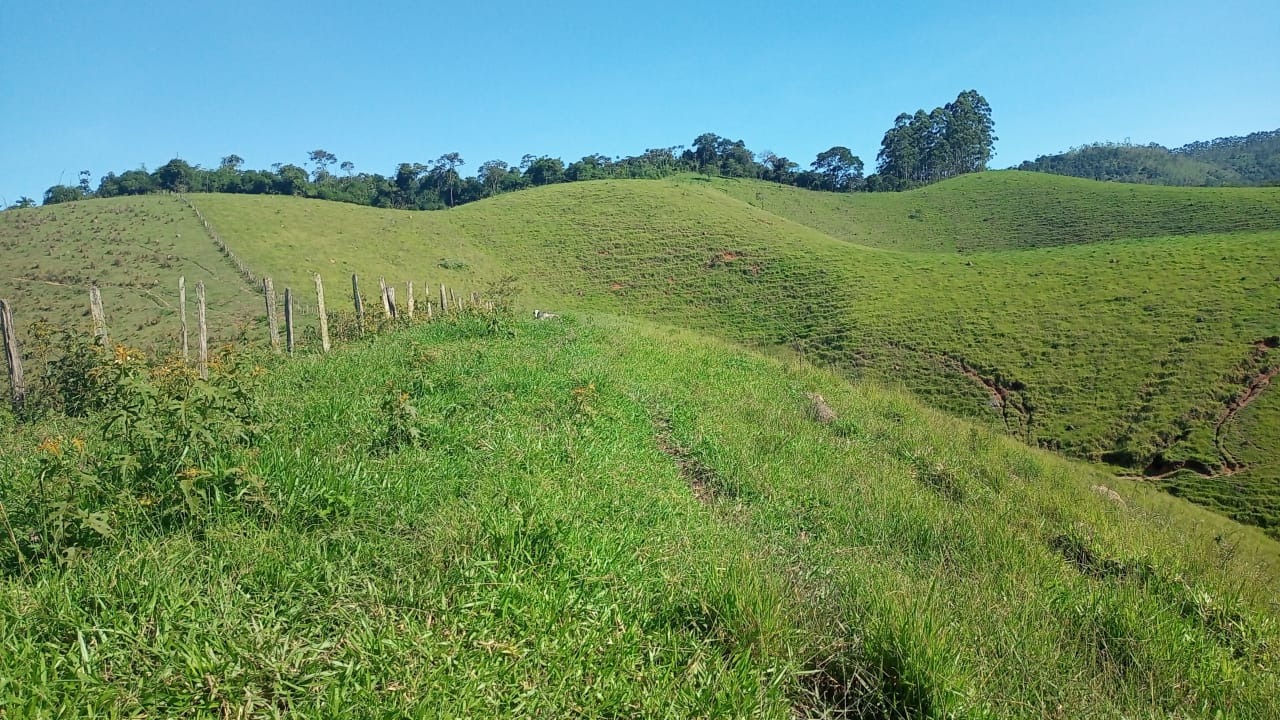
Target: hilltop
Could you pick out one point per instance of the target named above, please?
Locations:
(1123, 324)
(1010, 210)
(596, 516)
(1248, 160)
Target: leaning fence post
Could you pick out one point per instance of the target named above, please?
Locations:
(99, 317)
(355, 294)
(13, 358)
(288, 320)
(203, 361)
(391, 301)
(382, 290)
(324, 319)
(182, 315)
(444, 300)
(409, 301)
(269, 290)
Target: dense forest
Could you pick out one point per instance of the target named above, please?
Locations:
(920, 148)
(1249, 160)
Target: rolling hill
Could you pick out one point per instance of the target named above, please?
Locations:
(1123, 324)
(602, 517)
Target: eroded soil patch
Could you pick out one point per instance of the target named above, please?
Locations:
(702, 478)
(1258, 379)
(1006, 396)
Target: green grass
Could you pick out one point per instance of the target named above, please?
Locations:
(134, 249)
(1119, 330)
(1009, 210)
(540, 550)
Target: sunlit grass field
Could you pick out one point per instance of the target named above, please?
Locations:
(605, 517)
(1110, 322)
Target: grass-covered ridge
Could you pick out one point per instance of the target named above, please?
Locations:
(1133, 350)
(1010, 209)
(610, 518)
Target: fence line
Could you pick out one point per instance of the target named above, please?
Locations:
(241, 268)
(451, 303)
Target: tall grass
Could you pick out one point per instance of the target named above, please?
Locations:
(535, 547)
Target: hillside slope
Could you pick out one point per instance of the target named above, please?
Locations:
(1011, 210)
(134, 249)
(1129, 351)
(1135, 352)
(599, 517)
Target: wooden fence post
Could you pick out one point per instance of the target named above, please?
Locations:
(203, 360)
(391, 301)
(382, 290)
(182, 314)
(428, 309)
(355, 295)
(269, 290)
(288, 320)
(324, 319)
(99, 317)
(12, 356)
(444, 300)
(409, 301)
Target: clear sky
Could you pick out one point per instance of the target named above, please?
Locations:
(113, 85)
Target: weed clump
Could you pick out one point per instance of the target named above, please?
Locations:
(157, 451)
(401, 424)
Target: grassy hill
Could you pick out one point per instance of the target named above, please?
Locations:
(1011, 210)
(1134, 351)
(611, 518)
(134, 249)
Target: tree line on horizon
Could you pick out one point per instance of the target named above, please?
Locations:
(1252, 159)
(920, 148)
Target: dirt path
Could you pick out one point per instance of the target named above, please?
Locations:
(1253, 389)
(700, 477)
(1016, 418)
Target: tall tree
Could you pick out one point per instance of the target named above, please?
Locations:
(406, 184)
(970, 133)
(493, 174)
(705, 152)
(777, 168)
(62, 193)
(175, 176)
(445, 171)
(951, 140)
(839, 168)
(545, 171)
(321, 159)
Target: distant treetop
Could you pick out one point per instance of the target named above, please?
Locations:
(1241, 160)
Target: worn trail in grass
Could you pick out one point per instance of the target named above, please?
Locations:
(538, 550)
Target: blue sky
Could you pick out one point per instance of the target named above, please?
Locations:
(113, 85)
